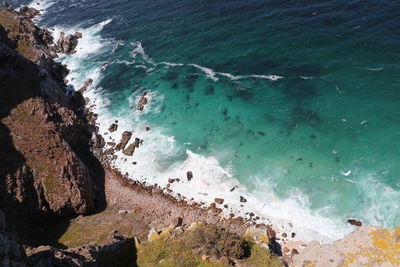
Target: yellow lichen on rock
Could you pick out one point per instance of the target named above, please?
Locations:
(368, 246)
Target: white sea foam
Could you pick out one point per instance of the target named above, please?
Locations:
(209, 72)
(42, 6)
(161, 157)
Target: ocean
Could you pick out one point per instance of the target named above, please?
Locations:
(295, 104)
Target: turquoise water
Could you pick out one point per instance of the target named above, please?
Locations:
(295, 100)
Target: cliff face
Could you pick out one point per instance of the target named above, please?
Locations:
(46, 167)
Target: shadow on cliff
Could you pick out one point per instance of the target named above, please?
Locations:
(20, 195)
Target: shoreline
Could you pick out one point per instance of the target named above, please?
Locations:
(160, 209)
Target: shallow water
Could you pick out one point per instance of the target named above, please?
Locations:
(297, 103)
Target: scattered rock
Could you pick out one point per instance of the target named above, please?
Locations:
(233, 188)
(294, 252)
(142, 101)
(171, 180)
(219, 200)
(354, 222)
(85, 86)
(124, 211)
(242, 199)
(178, 222)
(205, 257)
(189, 175)
(293, 235)
(113, 127)
(147, 128)
(126, 136)
(137, 142)
(284, 235)
(129, 150)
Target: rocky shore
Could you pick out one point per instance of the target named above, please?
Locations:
(63, 204)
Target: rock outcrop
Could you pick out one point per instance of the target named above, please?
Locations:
(47, 170)
(67, 43)
(367, 246)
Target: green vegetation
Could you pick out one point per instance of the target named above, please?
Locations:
(95, 229)
(261, 257)
(170, 252)
(206, 245)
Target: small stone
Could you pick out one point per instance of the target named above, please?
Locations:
(147, 128)
(219, 200)
(354, 222)
(293, 235)
(225, 206)
(189, 175)
(284, 235)
(242, 199)
(113, 127)
(178, 222)
(295, 251)
(171, 181)
(137, 142)
(205, 257)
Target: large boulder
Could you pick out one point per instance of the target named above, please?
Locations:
(67, 43)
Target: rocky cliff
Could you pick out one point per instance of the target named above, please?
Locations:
(47, 170)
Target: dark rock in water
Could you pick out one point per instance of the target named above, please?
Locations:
(219, 200)
(210, 90)
(66, 44)
(137, 142)
(261, 133)
(113, 127)
(147, 128)
(85, 86)
(244, 94)
(284, 235)
(142, 102)
(171, 181)
(175, 86)
(27, 12)
(6, 5)
(189, 175)
(293, 235)
(313, 136)
(242, 199)
(129, 150)
(311, 164)
(225, 111)
(354, 222)
(233, 188)
(126, 136)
